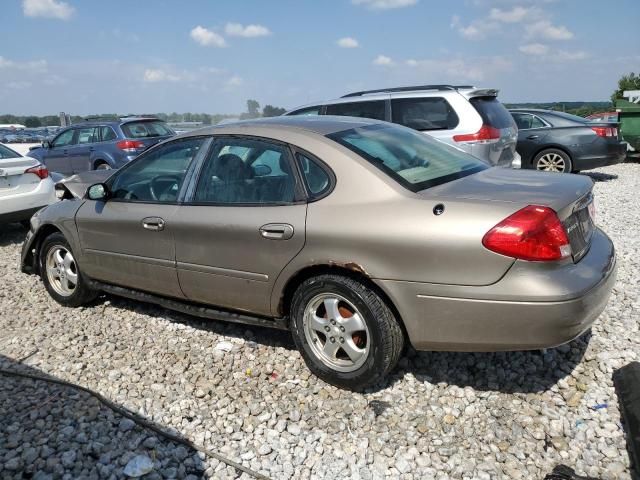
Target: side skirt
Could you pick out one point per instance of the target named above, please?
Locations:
(195, 309)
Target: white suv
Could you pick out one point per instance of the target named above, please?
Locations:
(464, 116)
(25, 186)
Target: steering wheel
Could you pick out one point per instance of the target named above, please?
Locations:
(162, 184)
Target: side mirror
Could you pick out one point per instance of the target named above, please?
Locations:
(98, 191)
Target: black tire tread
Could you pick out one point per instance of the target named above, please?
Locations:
(392, 337)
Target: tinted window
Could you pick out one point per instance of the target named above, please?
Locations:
(374, 109)
(246, 171)
(107, 134)
(64, 139)
(7, 152)
(87, 135)
(157, 176)
(412, 159)
(424, 113)
(307, 111)
(492, 112)
(145, 129)
(536, 122)
(316, 179)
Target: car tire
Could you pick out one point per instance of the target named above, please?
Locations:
(102, 165)
(346, 333)
(60, 273)
(553, 160)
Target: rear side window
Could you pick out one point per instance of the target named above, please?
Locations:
(493, 112)
(373, 109)
(316, 179)
(146, 129)
(307, 111)
(422, 114)
(107, 134)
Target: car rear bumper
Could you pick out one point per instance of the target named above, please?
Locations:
(18, 216)
(535, 305)
(21, 205)
(602, 155)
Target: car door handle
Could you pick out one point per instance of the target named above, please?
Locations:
(533, 137)
(153, 223)
(276, 231)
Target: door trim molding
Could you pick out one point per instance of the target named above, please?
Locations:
(136, 258)
(225, 272)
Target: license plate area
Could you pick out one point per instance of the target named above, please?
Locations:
(580, 226)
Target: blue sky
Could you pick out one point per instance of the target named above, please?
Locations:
(211, 55)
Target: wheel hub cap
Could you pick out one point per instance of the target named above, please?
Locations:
(61, 270)
(336, 332)
(551, 162)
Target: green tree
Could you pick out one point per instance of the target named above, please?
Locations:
(32, 122)
(271, 111)
(630, 81)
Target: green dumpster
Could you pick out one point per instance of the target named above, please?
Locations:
(629, 118)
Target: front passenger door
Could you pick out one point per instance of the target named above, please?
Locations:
(56, 157)
(128, 239)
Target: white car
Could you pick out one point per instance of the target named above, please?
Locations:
(25, 186)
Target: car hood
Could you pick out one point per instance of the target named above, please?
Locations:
(526, 187)
(77, 185)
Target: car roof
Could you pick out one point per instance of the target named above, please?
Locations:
(321, 125)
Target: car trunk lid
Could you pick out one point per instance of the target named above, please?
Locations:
(570, 196)
(13, 177)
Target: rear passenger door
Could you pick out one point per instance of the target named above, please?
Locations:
(241, 226)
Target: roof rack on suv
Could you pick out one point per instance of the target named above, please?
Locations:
(407, 89)
(142, 115)
(93, 118)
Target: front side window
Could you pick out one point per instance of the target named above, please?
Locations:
(87, 135)
(157, 176)
(145, 129)
(64, 139)
(432, 113)
(247, 171)
(412, 159)
(371, 109)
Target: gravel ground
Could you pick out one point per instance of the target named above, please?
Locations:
(440, 415)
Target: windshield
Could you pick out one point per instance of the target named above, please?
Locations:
(413, 159)
(146, 129)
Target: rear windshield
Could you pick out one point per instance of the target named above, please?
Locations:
(413, 159)
(493, 112)
(145, 129)
(6, 152)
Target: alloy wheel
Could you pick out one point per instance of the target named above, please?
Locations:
(337, 332)
(551, 162)
(62, 272)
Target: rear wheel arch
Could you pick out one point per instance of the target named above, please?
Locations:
(551, 147)
(351, 271)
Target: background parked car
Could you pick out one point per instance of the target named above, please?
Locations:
(464, 116)
(25, 186)
(609, 117)
(560, 142)
(97, 145)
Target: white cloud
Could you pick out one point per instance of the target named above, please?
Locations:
(535, 49)
(476, 69)
(384, 4)
(154, 75)
(234, 81)
(47, 9)
(249, 31)
(546, 30)
(515, 15)
(476, 30)
(565, 56)
(37, 66)
(348, 42)
(383, 60)
(207, 38)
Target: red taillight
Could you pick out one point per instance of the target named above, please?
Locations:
(39, 170)
(129, 145)
(485, 134)
(533, 233)
(605, 131)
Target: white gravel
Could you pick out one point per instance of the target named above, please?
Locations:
(440, 415)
